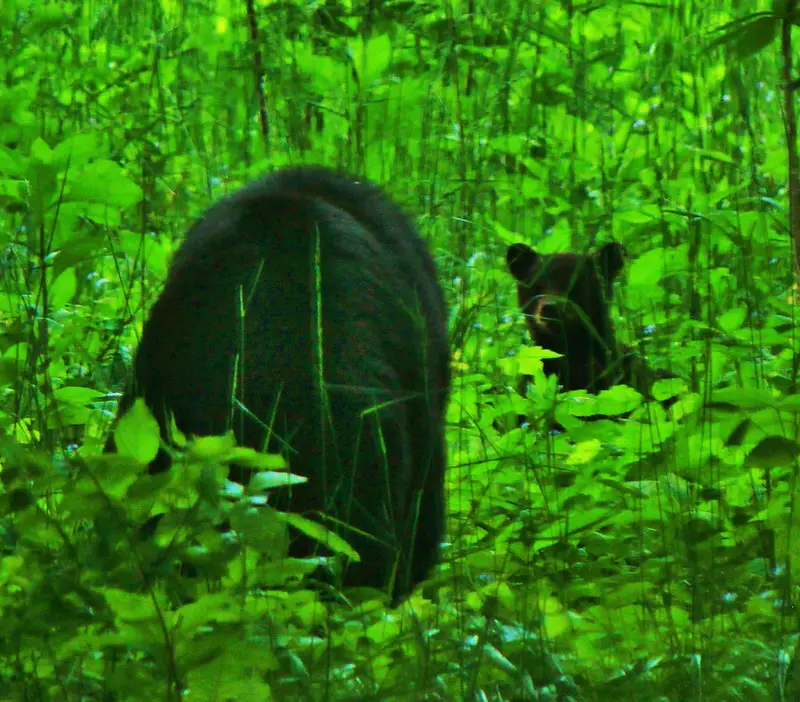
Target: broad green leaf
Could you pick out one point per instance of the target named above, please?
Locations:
(733, 318)
(137, 434)
(46, 17)
(640, 215)
(584, 452)
(213, 448)
(745, 398)
(667, 388)
(63, 289)
(746, 34)
(11, 161)
(618, 400)
(773, 451)
(371, 59)
(756, 36)
(77, 150)
(104, 182)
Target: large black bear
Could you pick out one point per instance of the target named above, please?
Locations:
(565, 298)
(308, 298)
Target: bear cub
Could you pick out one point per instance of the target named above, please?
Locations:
(303, 313)
(565, 298)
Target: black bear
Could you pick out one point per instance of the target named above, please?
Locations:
(565, 298)
(303, 312)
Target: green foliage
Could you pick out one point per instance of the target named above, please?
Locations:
(129, 590)
(612, 547)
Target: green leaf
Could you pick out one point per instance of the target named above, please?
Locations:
(668, 387)
(77, 395)
(618, 400)
(319, 533)
(647, 268)
(743, 398)
(76, 151)
(529, 359)
(639, 215)
(371, 59)
(262, 528)
(11, 162)
(250, 458)
(505, 235)
(731, 320)
(534, 188)
(715, 156)
(47, 17)
(584, 452)
(212, 448)
(790, 403)
(267, 480)
(63, 288)
(137, 434)
(41, 152)
(773, 451)
(648, 177)
(129, 606)
(758, 35)
(104, 182)
(225, 674)
(748, 34)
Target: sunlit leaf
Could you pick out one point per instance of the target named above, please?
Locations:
(104, 182)
(319, 533)
(137, 434)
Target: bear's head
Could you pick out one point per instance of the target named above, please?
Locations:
(565, 298)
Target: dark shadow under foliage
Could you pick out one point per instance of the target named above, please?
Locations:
(303, 313)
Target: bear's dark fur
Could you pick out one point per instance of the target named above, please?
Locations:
(565, 298)
(309, 298)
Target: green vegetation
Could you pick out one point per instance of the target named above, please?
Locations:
(646, 556)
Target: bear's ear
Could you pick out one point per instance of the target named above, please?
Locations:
(522, 260)
(610, 260)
